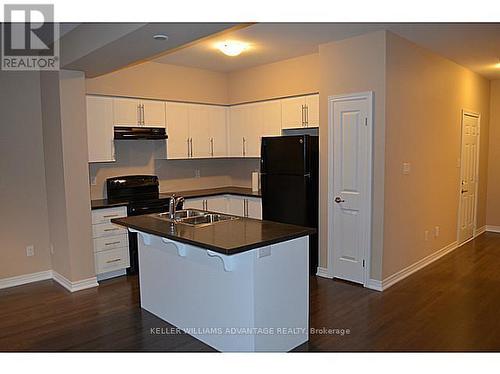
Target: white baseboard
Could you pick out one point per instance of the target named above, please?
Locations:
(111, 274)
(374, 284)
(25, 278)
(402, 274)
(324, 273)
(493, 228)
(74, 286)
(49, 274)
(481, 230)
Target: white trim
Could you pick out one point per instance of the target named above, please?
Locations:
(480, 231)
(74, 286)
(476, 198)
(375, 285)
(490, 228)
(402, 274)
(25, 278)
(368, 95)
(324, 273)
(111, 274)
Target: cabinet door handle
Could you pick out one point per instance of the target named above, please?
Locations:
(244, 146)
(212, 146)
(138, 114)
(112, 243)
(113, 229)
(115, 260)
(307, 115)
(142, 111)
(110, 216)
(191, 142)
(303, 115)
(188, 152)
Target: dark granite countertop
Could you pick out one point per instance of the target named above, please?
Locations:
(227, 237)
(241, 191)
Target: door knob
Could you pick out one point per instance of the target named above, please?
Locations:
(338, 200)
(464, 191)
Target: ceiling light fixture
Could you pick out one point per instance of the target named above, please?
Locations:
(497, 65)
(160, 37)
(231, 48)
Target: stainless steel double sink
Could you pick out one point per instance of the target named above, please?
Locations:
(194, 217)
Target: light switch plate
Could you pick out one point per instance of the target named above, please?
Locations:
(406, 168)
(30, 250)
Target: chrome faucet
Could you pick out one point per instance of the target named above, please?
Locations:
(172, 204)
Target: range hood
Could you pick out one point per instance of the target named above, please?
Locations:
(135, 133)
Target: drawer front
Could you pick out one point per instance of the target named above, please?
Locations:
(105, 215)
(110, 242)
(107, 229)
(111, 260)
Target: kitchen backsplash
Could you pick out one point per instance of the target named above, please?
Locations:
(137, 157)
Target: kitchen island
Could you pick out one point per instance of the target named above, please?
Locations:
(237, 285)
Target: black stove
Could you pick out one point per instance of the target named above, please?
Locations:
(142, 195)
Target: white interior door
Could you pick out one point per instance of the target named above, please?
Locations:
(468, 176)
(350, 185)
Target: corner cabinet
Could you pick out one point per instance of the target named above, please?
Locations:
(300, 111)
(101, 147)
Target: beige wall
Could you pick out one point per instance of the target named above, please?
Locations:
(425, 96)
(175, 175)
(349, 66)
(23, 205)
(64, 136)
(162, 81)
(493, 201)
(294, 76)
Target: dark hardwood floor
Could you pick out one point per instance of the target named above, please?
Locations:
(451, 305)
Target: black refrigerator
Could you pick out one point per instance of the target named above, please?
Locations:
(289, 184)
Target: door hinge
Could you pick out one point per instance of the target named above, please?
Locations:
(366, 121)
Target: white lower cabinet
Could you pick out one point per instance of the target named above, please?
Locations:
(111, 250)
(242, 206)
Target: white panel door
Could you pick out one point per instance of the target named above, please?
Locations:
(178, 131)
(127, 112)
(218, 131)
(469, 168)
(199, 131)
(101, 146)
(292, 112)
(153, 113)
(351, 184)
(312, 110)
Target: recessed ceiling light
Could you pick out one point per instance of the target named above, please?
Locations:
(160, 37)
(231, 48)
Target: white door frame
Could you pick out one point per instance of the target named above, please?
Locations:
(474, 231)
(368, 202)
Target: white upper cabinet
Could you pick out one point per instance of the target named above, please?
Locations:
(301, 111)
(269, 117)
(136, 112)
(246, 124)
(196, 131)
(127, 112)
(217, 118)
(178, 142)
(312, 110)
(100, 129)
(153, 113)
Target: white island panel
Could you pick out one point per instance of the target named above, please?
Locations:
(253, 301)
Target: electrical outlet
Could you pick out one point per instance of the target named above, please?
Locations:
(197, 173)
(52, 249)
(426, 235)
(30, 250)
(406, 168)
(436, 231)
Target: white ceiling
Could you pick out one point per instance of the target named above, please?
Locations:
(476, 46)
